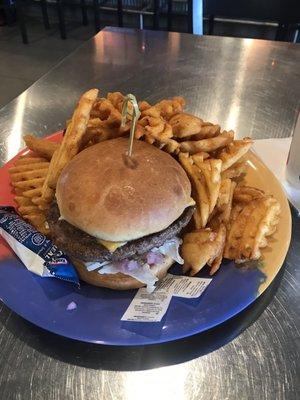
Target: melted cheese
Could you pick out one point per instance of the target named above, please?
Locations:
(192, 202)
(111, 246)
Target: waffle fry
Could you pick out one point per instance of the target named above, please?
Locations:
(33, 193)
(185, 125)
(201, 155)
(208, 130)
(41, 147)
(160, 131)
(108, 114)
(116, 99)
(38, 220)
(245, 194)
(203, 247)
(156, 131)
(23, 201)
(105, 121)
(143, 106)
(28, 210)
(233, 152)
(170, 146)
(250, 225)
(225, 215)
(29, 184)
(237, 171)
(220, 241)
(27, 180)
(222, 211)
(224, 194)
(71, 142)
(197, 249)
(207, 145)
(99, 134)
(168, 108)
(24, 167)
(199, 188)
(211, 169)
(29, 174)
(29, 160)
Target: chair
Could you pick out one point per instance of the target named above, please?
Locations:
(192, 9)
(16, 7)
(14, 10)
(156, 8)
(139, 7)
(284, 12)
(60, 9)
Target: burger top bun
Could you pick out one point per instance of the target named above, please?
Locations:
(104, 196)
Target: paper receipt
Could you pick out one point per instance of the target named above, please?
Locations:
(148, 307)
(151, 307)
(184, 286)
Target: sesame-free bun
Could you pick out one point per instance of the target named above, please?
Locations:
(119, 281)
(100, 194)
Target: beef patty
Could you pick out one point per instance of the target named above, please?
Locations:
(85, 247)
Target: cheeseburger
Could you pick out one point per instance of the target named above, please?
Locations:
(120, 221)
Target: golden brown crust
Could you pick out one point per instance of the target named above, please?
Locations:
(119, 281)
(102, 196)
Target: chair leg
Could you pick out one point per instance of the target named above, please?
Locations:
(190, 16)
(156, 15)
(10, 15)
(96, 15)
(61, 19)
(120, 13)
(296, 38)
(21, 21)
(84, 13)
(211, 20)
(141, 18)
(281, 31)
(170, 11)
(45, 14)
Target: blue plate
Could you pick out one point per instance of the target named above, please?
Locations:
(97, 318)
(44, 301)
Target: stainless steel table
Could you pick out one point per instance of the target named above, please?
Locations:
(252, 86)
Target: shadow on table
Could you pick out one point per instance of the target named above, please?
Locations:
(121, 358)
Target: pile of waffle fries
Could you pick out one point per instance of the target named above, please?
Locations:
(231, 220)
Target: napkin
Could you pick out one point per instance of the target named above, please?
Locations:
(274, 152)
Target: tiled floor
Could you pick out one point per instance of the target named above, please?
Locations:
(21, 65)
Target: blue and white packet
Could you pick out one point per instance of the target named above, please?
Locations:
(35, 250)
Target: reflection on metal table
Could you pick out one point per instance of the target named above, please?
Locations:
(251, 86)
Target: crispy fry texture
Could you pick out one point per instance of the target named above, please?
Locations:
(201, 247)
(207, 145)
(71, 142)
(42, 147)
(233, 152)
(27, 178)
(250, 224)
(205, 177)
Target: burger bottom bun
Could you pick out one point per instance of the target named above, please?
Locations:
(119, 281)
